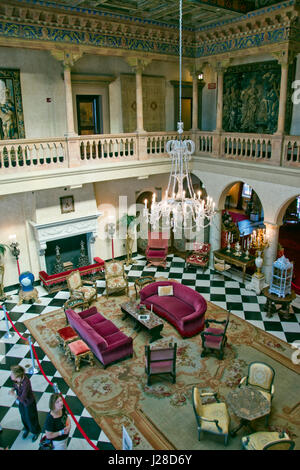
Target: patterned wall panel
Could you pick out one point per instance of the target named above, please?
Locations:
(153, 103)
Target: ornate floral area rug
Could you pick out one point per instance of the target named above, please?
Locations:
(160, 416)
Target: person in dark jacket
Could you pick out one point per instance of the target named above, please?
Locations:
(26, 400)
(57, 425)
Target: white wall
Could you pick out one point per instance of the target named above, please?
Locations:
(41, 78)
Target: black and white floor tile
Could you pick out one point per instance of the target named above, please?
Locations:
(229, 293)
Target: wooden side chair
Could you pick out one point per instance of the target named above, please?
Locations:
(199, 257)
(214, 338)
(261, 376)
(212, 417)
(160, 361)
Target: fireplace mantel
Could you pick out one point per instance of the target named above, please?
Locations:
(56, 230)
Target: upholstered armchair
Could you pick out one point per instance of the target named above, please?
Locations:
(199, 257)
(260, 376)
(212, 417)
(115, 277)
(79, 289)
(268, 441)
(213, 338)
(160, 361)
(157, 249)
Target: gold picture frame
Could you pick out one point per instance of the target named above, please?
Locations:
(67, 204)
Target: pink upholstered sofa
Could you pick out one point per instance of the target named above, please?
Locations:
(185, 309)
(106, 341)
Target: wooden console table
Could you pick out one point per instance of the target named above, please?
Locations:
(240, 261)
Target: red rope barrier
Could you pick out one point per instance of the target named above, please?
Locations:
(8, 317)
(53, 385)
(78, 425)
(40, 367)
(65, 403)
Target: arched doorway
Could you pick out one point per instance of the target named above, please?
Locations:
(289, 239)
(243, 212)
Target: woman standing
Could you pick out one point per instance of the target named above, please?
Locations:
(27, 403)
(57, 425)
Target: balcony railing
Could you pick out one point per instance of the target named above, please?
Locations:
(55, 153)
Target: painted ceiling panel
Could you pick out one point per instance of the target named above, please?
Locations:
(196, 13)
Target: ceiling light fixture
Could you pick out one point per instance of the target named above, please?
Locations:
(180, 207)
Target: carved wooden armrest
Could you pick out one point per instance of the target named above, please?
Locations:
(77, 294)
(242, 381)
(211, 420)
(90, 283)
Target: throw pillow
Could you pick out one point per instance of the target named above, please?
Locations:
(165, 290)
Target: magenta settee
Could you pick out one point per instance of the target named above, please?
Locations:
(56, 282)
(106, 341)
(185, 309)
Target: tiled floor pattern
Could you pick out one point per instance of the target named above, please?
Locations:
(227, 292)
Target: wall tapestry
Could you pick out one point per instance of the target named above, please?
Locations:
(11, 109)
(251, 98)
(153, 103)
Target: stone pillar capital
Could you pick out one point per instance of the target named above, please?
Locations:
(220, 66)
(284, 58)
(138, 65)
(68, 58)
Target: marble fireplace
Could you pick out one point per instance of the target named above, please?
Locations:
(57, 230)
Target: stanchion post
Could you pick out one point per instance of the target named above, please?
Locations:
(8, 334)
(33, 370)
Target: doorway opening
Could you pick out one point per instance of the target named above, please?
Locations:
(89, 114)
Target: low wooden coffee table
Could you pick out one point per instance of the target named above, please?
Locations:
(154, 325)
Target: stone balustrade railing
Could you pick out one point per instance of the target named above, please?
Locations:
(54, 153)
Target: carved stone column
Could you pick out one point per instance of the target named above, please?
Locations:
(195, 102)
(68, 59)
(270, 254)
(284, 58)
(215, 235)
(138, 65)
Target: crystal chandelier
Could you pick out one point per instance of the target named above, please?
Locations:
(180, 208)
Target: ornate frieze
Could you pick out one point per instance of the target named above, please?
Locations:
(271, 25)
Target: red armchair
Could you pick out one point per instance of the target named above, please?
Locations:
(214, 339)
(199, 256)
(157, 249)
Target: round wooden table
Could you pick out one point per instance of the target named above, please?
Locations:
(248, 404)
(273, 300)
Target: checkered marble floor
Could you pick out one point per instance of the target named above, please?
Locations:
(229, 293)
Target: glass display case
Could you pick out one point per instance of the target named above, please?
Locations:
(281, 279)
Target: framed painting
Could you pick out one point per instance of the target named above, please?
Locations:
(67, 204)
(11, 108)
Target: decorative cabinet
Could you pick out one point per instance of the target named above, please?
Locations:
(281, 279)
